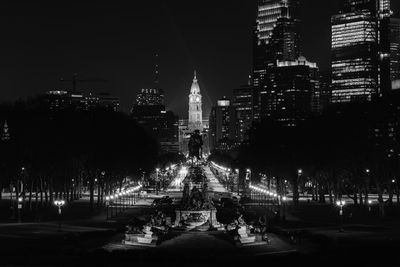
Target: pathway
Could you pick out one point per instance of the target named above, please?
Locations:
(213, 183)
(176, 184)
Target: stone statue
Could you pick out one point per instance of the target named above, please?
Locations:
(195, 145)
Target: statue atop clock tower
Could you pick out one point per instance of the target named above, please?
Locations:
(195, 111)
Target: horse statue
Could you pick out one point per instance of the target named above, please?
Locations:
(195, 146)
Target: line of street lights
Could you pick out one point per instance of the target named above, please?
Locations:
(120, 198)
(228, 171)
(280, 198)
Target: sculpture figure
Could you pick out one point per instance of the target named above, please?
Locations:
(195, 145)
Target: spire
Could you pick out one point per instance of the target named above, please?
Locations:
(5, 136)
(195, 89)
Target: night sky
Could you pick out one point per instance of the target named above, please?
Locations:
(115, 41)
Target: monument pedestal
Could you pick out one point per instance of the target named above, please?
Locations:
(244, 237)
(200, 220)
(146, 239)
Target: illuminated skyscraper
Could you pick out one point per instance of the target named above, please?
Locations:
(395, 53)
(360, 50)
(276, 35)
(150, 97)
(285, 83)
(269, 11)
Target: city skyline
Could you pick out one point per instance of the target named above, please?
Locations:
(50, 41)
(207, 133)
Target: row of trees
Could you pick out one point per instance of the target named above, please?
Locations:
(348, 150)
(58, 153)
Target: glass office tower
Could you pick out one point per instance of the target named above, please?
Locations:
(360, 50)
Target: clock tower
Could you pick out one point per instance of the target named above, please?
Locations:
(195, 110)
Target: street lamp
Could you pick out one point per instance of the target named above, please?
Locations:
(369, 205)
(19, 208)
(340, 204)
(59, 204)
(114, 204)
(247, 180)
(228, 171)
(296, 194)
(284, 199)
(237, 181)
(367, 171)
(157, 171)
(108, 198)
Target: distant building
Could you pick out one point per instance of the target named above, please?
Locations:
(57, 100)
(360, 51)
(395, 52)
(150, 113)
(150, 97)
(243, 102)
(291, 92)
(223, 121)
(108, 101)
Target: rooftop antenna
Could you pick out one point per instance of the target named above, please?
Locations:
(156, 71)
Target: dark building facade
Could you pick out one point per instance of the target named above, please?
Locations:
(150, 113)
(169, 133)
(292, 92)
(360, 51)
(243, 102)
(222, 131)
(325, 96)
